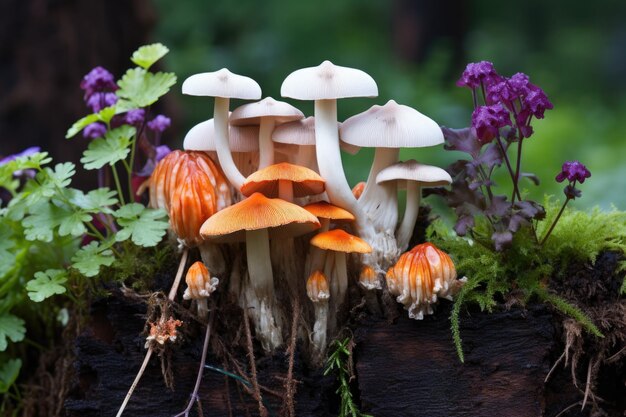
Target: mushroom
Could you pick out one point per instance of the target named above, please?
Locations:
(414, 176)
(302, 134)
(285, 181)
(420, 276)
(243, 142)
(200, 286)
(223, 85)
(255, 220)
(318, 292)
(266, 114)
(357, 190)
(325, 84)
(191, 188)
(386, 128)
(341, 243)
(369, 282)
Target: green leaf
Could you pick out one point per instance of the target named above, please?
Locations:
(11, 328)
(147, 55)
(112, 148)
(144, 226)
(46, 284)
(91, 257)
(143, 88)
(81, 124)
(8, 374)
(106, 114)
(47, 216)
(96, 201)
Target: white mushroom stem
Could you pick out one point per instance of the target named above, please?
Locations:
(306, 157)
(329, 156)
(319, 328)
(285, 190)
(261, 280)
(379, 201)
(405, 230)
(341, 271)
(266, 145)
(222, 146)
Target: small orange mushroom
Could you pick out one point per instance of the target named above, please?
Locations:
(420, 276)
(285, 181)
(200, 286)
(357, 190)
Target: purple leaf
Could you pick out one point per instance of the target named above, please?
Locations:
(462, 140)
(502, 240)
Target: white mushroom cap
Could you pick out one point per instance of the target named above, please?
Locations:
(251, 114)
(328, 81)
(201, 137)
(411, 170)
(222, 83)
(302, 132)
(391, 126)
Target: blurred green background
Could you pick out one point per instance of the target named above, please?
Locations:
(415, 50)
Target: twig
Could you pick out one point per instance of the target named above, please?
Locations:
(194, 395)
(567, 409)
(554, 366)
(290, 386)
(587, 385)
(172, 294)
(255, 382)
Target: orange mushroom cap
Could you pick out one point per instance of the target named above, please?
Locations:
(358, 189)
(317, 287)
(283, 219)
(305, 181)
(325, 210)
(339, 240)
(420, 276)
(191, 187)
(368, 278)
(199, 282)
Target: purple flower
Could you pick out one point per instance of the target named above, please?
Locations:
(97, 80)
(573, 171)
(159, 123)
(536, 101)
(487, 121)
(135, 117)
(98, 101)
(94, 130)
(477, 72)
(26, 152)
(162, 151)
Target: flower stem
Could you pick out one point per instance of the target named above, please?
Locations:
(517, 170)
(118, 185)
(558, 216)
(508, 165)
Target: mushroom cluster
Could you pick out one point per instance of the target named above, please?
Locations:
(285, 176)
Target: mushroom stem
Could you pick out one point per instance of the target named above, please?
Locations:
(285, 190)
(341, 270)
(319, 328)
(306, 157)
(261, 279)
(329, 156)
(266, 145)
(380, 201)
(222, 146)
(405, 230)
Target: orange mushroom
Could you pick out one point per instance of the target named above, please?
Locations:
(420, 276)
(200, 286)
(318, 292)
(285, 181)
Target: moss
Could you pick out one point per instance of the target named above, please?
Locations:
(527, 267)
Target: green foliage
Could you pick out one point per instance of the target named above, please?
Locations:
(147, 55)
(91, 257)
(340, 362)
(46, 284)
(578, 237)
(141, 88)
(105, 115)
(114, 147)
(11, 328)
(144, 226)
(8, 374)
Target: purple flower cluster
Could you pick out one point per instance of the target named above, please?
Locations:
(573, 171)
(487, 121)
(94, 130)
(159, 123)
(135, 117)
(516, 94)
(96, 81)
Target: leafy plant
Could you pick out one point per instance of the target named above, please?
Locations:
(340, 362)
(54, 238)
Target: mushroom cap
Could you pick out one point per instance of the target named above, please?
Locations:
(391, 126)
(283, 219)
(317, 287)
(328, 81)
(368, 278)
(325, 210)
(302, 132)
(357, 190)
(199, 282)
(305, 181)
(192, 188)
(252, 113)
(420, 276)
(339, 240)
(222, 83)
(411, 170)
(201, 137)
